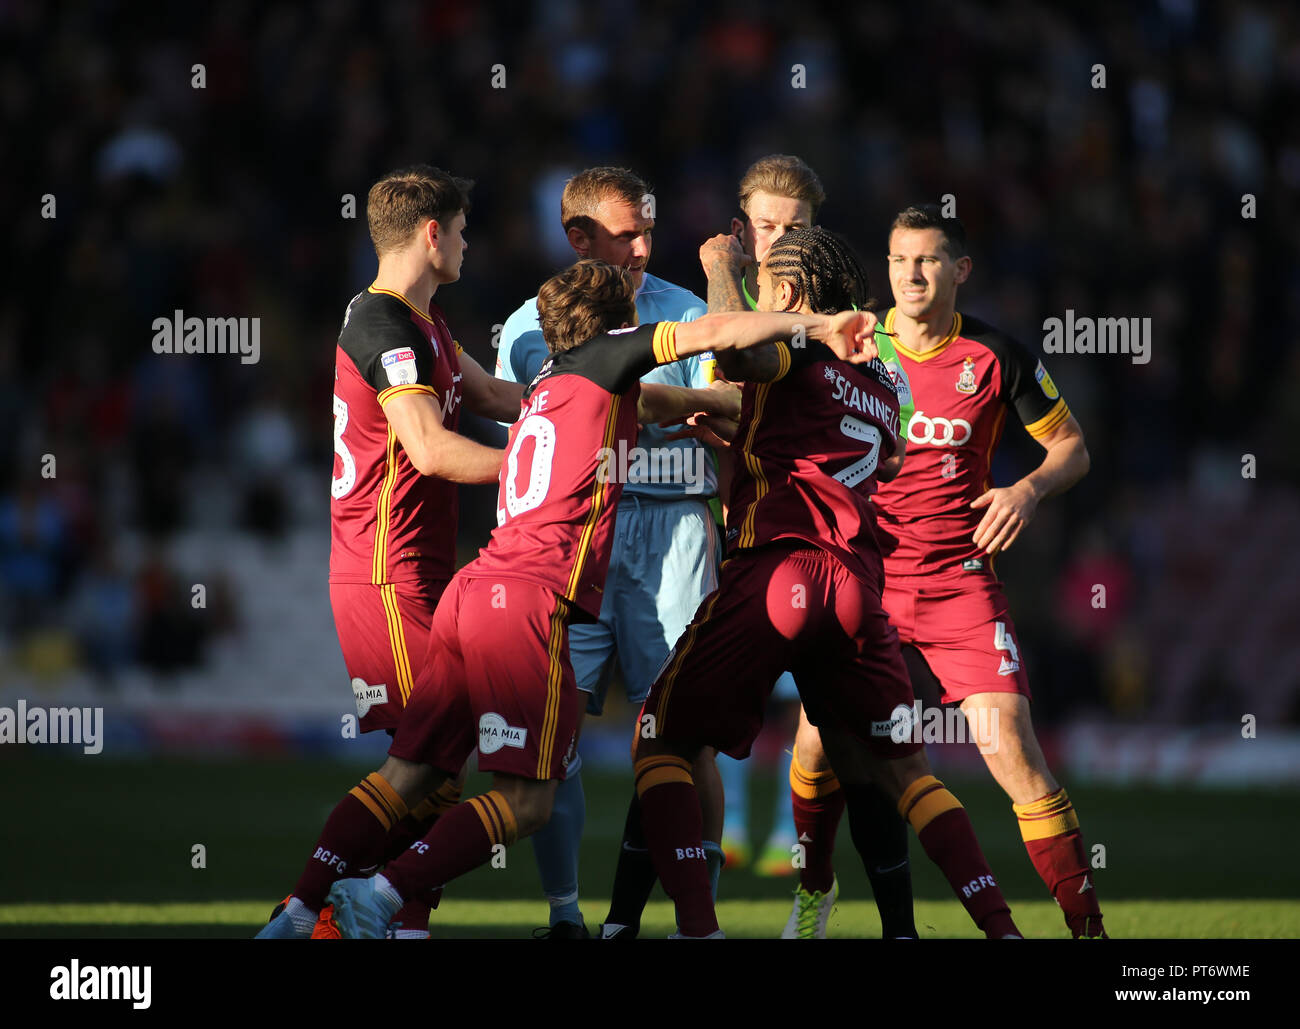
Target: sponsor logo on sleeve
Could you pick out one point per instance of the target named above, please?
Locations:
(1045, 382)
(399, 366)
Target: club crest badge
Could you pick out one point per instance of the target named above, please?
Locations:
(966, 380)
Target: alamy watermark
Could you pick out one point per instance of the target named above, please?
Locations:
(1086, 335)
(74, 981)
(193, 335)
(941, 725)
(80, 725)
(632, 465)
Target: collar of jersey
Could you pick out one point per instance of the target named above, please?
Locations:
(911, 354)
(645, 281)
(393, 293)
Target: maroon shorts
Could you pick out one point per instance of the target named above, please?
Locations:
(779, 608)
(381, 628)
(964, 631)
(498, 678)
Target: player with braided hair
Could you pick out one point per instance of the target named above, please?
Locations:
(816, 798)
(778, 195)
(800, 590)
(818, 264)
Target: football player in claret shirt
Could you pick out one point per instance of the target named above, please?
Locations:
(399, 382)
(544, 566)
(779, 193)
(800, 590)
(667, 545)
(941, 522)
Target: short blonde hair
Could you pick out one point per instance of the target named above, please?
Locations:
(782, 175)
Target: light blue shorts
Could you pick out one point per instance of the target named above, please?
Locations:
(785, 689)
(664, 562)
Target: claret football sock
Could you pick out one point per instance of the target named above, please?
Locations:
(634, 875)
(1050, 829)
(880, 837)
(460, 841)
(818, 804)
(353, 840)
(944, 829)
(670, 813)
(414, 915)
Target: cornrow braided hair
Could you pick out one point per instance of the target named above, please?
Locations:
(823, 270)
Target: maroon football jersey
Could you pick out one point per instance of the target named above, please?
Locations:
(808, 446)
(559, 485)
(962, 390)
(389, 523)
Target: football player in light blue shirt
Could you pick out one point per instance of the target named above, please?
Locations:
(666, 541)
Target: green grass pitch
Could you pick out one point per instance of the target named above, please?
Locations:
(105, 849)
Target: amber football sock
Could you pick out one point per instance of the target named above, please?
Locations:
(1050, 829)
(670, 815)
(944, 829)
(353, 840)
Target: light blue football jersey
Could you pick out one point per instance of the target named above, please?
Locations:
(523, 351)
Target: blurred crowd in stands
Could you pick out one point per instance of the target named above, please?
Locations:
(138, 185)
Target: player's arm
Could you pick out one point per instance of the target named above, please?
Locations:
(725, 261)
(1010, 508)
(849, 334)
(487, 395)
(662, 403)
(1028, 388)
(757, 364)
(432, 448)
(396, 360)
